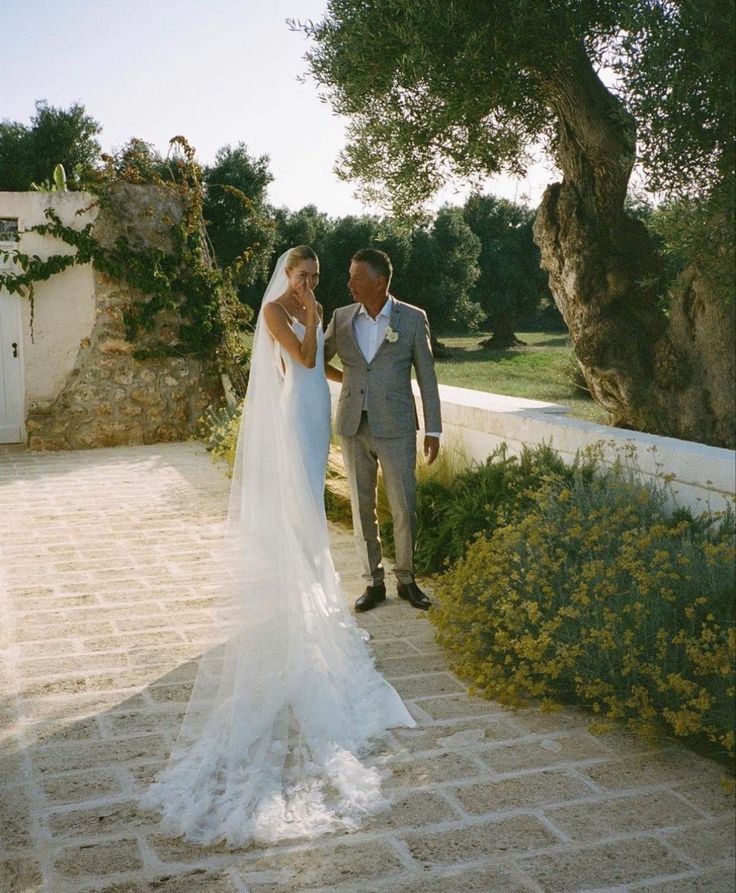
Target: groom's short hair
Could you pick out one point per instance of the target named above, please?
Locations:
(377, 260)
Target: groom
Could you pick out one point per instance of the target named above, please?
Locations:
(378, 340)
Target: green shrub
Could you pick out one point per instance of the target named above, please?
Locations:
(593, 595)
(220, 428)
(453, 510)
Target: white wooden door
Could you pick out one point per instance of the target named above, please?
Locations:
(11, 370)
(12, 429)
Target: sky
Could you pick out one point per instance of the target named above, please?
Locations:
(216, 71)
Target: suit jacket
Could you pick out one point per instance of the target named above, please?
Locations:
(385, 381)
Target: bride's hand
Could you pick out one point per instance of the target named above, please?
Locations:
(306, 297)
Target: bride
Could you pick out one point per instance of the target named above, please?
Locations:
(280, 713)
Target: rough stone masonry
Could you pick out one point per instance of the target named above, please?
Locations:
(111, 397)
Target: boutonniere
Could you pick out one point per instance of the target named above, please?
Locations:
(392, 336)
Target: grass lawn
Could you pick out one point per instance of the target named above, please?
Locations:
(539, 371)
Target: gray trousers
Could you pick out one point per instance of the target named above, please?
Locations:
(362, 454)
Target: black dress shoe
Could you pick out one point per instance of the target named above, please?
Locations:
(372, 596)
(411, 593)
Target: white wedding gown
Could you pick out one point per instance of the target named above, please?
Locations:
(282, 714)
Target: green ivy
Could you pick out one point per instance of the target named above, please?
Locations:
(185, 279)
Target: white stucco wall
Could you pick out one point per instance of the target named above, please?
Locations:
(64, 304)
(703, 477)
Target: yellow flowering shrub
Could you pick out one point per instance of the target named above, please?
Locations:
(594, 595)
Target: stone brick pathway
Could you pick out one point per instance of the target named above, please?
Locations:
(107, 563)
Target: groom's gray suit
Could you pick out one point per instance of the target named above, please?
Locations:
(377, 423)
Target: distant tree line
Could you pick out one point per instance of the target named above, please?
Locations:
(471, 268)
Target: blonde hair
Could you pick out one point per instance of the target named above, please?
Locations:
(298, 254)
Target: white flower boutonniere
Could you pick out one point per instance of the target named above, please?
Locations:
(392, 336)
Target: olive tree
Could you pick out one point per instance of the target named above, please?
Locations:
(436, 90)
(511, 285)
(30, 153)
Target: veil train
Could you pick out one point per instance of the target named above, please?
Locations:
(282, 710)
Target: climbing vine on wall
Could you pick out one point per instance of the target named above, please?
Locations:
(181, 278)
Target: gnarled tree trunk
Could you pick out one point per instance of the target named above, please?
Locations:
(667, 375)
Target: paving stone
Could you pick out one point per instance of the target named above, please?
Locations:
(15, 817)
(131, 642)
(122, 819)
(424, 645)
(144, 773)
(712, 800)
(61, 730)
(473, 733)
(428, 684)
(391, 627)
(488, 879)
(96, 754)
(12, 770)
(176, 693)
(56, 709)
(416, 665)
(76, 787)
(63, 686)
(705, 843)
(488, 840)
(387, 648)
(413, 810)
(452, 706)
(663, 767)
(143, 722)
(64, 647)
(36, 630)
(177, 850)
(197, 881)
(716, 880)
(602, 866)
(537, 719)
(618, 815)
(320, 866)
(549, 751)
(423, 771)
(532, 789)
(98, 859)
(21, 875)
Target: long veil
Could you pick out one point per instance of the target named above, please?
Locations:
(282, 708)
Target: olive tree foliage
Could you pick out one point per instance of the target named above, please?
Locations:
(29, 153)
(441, 271)
(237, 214)
(435, 263)
(511, 286)
(436, 90)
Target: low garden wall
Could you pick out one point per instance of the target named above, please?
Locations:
(475, 423)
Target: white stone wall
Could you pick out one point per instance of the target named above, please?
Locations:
(64, 304)
(703, 477)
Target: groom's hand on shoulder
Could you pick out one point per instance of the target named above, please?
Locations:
(431, 448)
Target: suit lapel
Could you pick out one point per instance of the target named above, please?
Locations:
(351, 331)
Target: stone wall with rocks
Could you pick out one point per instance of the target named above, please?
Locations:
(110, 397)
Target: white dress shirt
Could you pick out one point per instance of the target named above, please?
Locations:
(369, 333)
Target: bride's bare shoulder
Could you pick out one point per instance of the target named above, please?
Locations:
(274, 311)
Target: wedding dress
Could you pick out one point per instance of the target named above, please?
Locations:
(273, 741)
